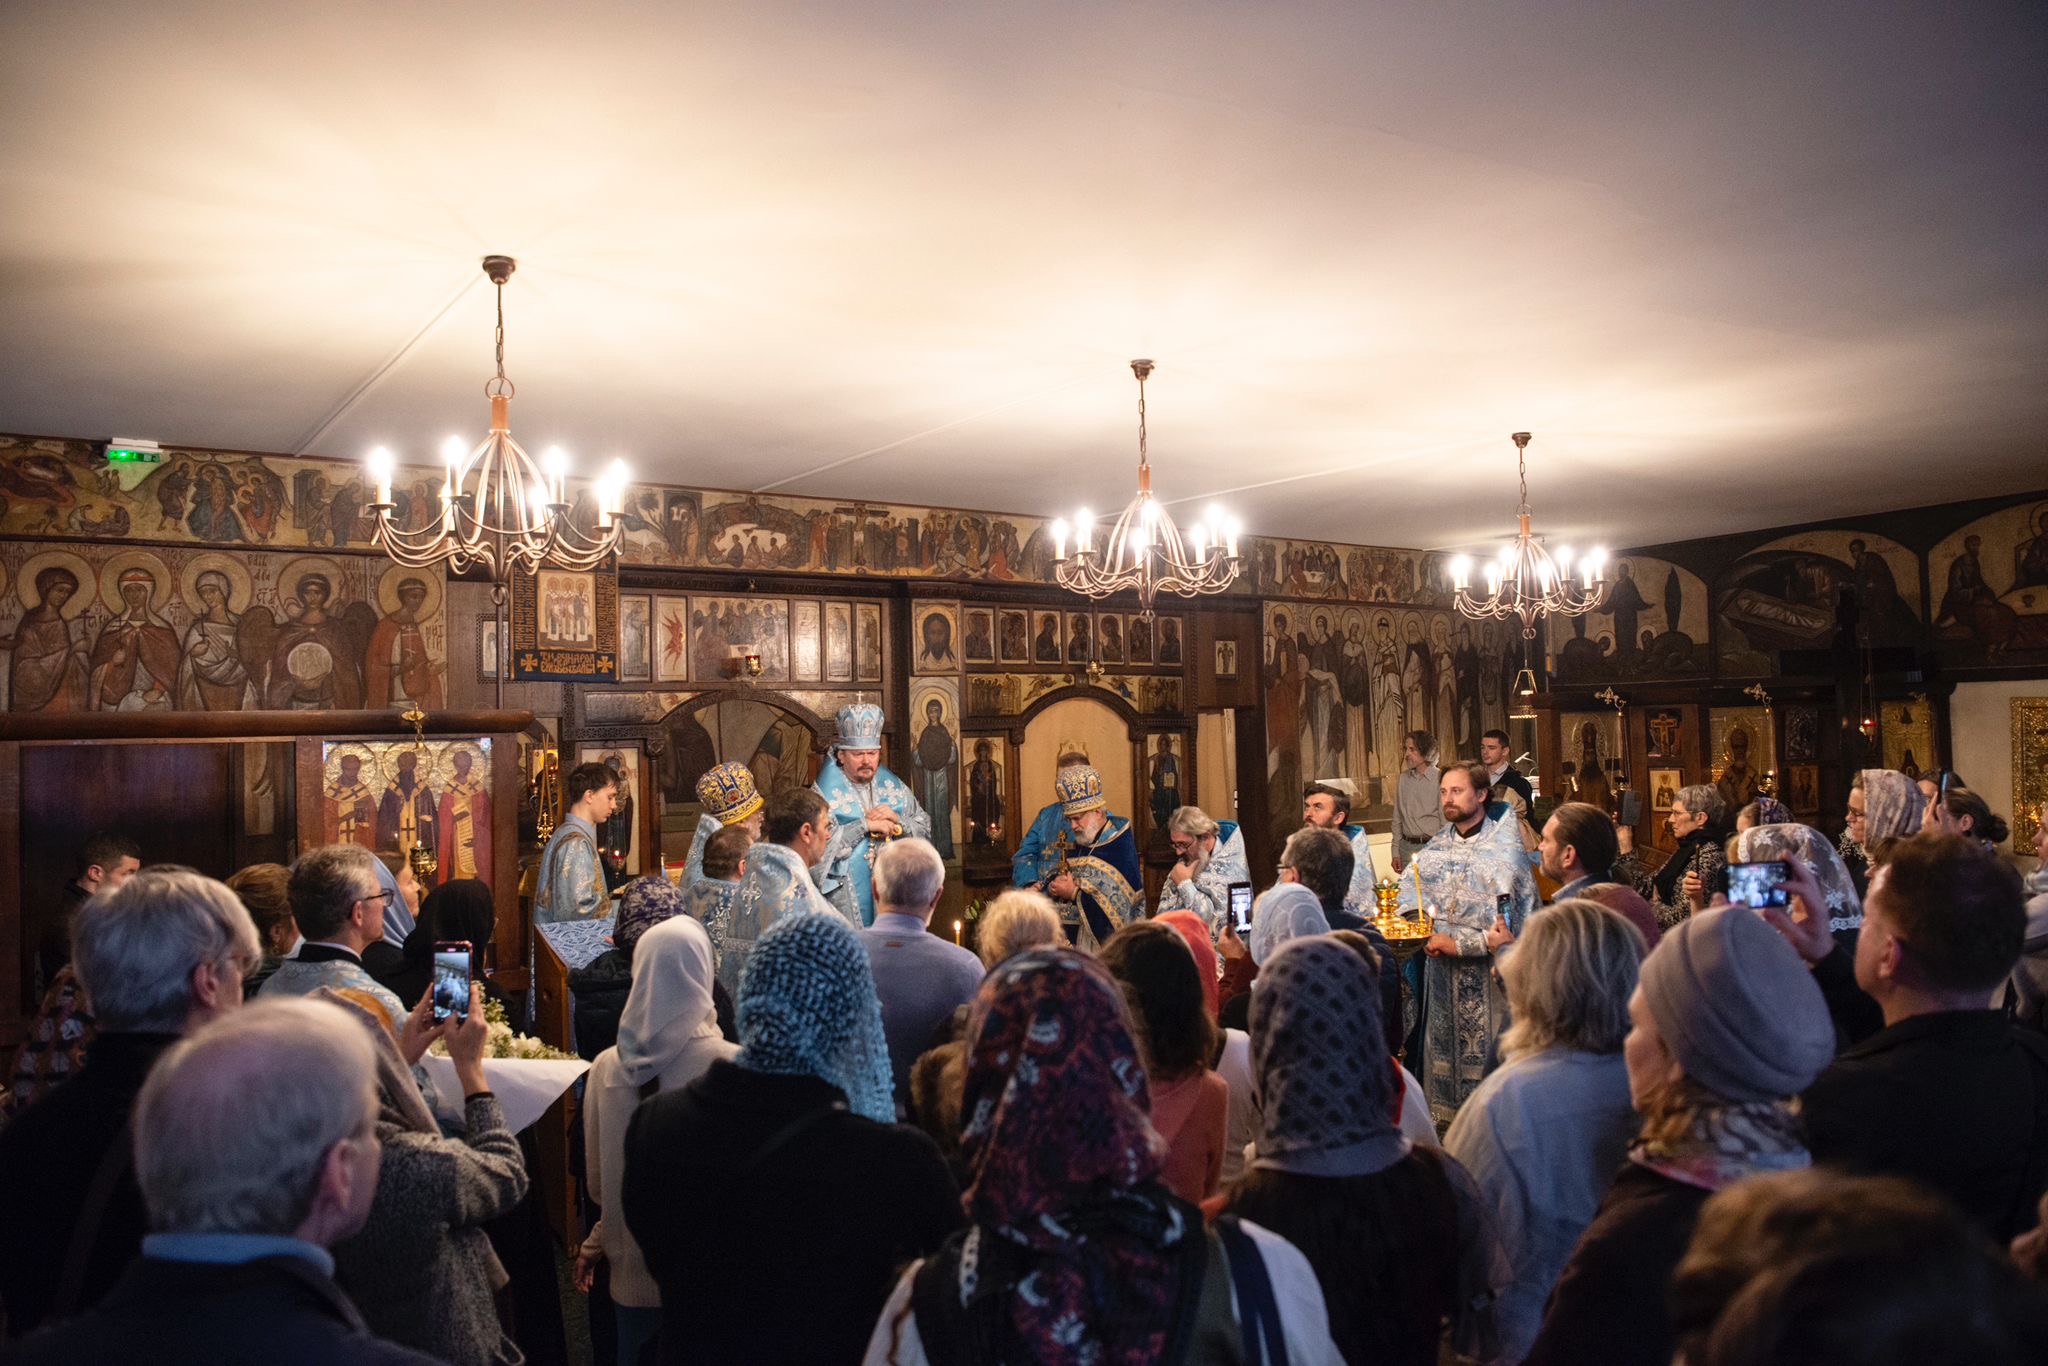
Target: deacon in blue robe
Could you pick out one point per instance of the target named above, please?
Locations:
(1475, 887)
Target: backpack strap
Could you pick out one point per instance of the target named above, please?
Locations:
(117, 1162)
(1258, 1314)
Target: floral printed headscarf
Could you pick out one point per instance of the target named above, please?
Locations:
(1810, 847)
(647, 902)
(1075, 1243)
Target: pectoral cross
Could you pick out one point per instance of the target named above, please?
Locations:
(1060, 845)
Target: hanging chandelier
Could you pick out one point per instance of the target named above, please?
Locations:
(1525, 580)
(500, 510)
(1143, 549)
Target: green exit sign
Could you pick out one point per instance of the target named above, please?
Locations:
(134, 453)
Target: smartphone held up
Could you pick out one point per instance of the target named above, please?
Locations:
(451, 980)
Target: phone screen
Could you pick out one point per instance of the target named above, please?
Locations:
(451, 981)
(1758, 884)
(1241, 906)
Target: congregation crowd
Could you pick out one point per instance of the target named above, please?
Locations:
(1634, 1122)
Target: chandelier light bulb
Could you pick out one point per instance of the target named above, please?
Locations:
(380, 473)
(1060, 531)
(1461, 571)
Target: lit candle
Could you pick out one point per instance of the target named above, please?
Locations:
(1231, 529)
(1059, 538)
(558, 473)
(380, 473)
(621, 476)
(451, 456)
(1201, 534)
(447, 508)
(956, 932)
(1461, 572)
(1084, 531)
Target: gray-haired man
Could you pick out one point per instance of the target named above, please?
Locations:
(159, 956)
(256, 1147)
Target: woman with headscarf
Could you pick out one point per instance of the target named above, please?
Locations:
(1544, 1132)
(668, 1036)
(1075, 1249)
(772, 1198)
(1884, 805)
(459, 911)
(1284, 911)
(1394, 1231)
(1728, 1028)
(1177, 1039)
(599, 988)
(1855, 1014)
(422, 1270)
(1698, 867)
(1763, 811)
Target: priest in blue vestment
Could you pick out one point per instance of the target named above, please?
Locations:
(870, 806)
(727, 796)
(1095, 878)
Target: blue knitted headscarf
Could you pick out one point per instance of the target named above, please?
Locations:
(807, 1008)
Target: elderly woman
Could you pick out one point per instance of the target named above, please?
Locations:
(773, 1197)
(1076, 1250)
(1543, 1134)
(668, 1037)
(1727, 1028)
(1017, 920)
(1394, 1231)
(1698, 867)
(1833, 955)
(422, 1270)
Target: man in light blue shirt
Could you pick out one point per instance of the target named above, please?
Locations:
(920, 977)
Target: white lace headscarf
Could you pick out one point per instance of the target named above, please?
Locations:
(1811, 848)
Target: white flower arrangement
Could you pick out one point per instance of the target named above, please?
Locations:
(502, 1043)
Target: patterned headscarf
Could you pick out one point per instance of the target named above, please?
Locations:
(1326, 1089)
(1771, 811)
(647, 902)
(1286, 910)
(1892, 806)
(669, 1003)
(1192, 928)
(1074, 1241)
(1810, 847)
(807, 1008)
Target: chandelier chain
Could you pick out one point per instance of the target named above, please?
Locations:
(1144, 458)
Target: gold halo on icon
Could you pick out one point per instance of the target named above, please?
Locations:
(387, 590)
(117, 565)
(31, 596)
(241, 588)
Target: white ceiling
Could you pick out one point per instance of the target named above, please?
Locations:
(1735, 265)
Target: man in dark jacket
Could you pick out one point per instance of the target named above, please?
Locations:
(256, 1147)
(1947, 1093)
(105, 862)
(159, 956)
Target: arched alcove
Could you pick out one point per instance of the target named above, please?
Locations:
(780, 742)
(1086, 724)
